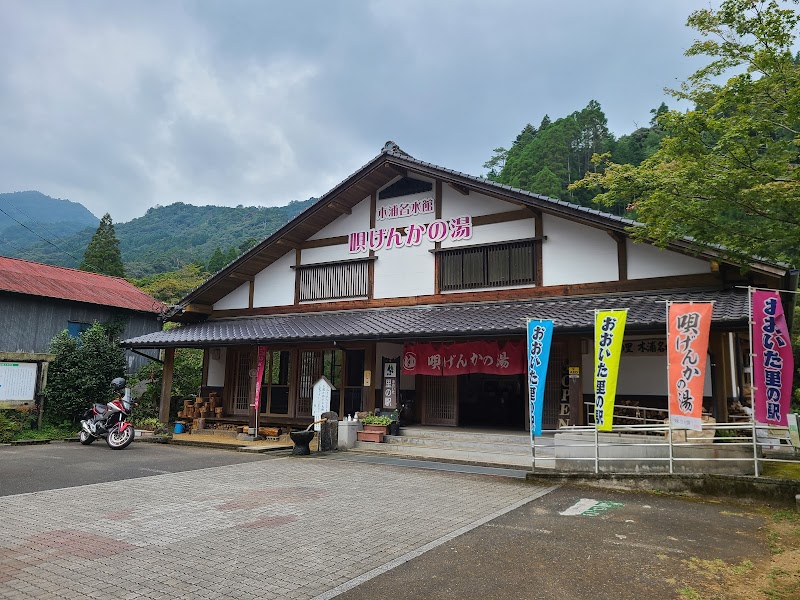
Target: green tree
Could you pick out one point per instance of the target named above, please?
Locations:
(562, 148)
(495, 164)
(726, 172)
(546, 183)
(172, 286)
(102, 254)
(231, 255)
(81, 372)
(217, 260)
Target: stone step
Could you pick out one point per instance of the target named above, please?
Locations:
(478, 457)
(461, 443)
(521, 439)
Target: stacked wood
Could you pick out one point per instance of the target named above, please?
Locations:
(269, 431)
(188, 411)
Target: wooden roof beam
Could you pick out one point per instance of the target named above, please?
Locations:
(340, 208)
(198, 309)
(399, 170)
(463, 190)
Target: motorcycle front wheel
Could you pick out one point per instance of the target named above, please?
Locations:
(117, 440)
(85, 438)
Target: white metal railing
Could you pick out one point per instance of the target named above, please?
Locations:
(632, 414)
(720, 447)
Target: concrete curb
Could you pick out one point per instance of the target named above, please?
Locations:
(164, 439)
(737, 488)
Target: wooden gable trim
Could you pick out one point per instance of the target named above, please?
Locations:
(622, 254)
(503, 217)
(538, 232)
(461, 189)
(298, 261)
(324, 242)
(373, 219)
(711, 281)
(376, 174)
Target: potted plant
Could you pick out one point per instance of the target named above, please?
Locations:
(375, 428)
(376, 423)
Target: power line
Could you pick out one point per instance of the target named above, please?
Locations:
(32, 220)
(18, 248)
(57, 247)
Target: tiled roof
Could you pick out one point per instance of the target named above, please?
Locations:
(36, 279)
(393, 149)
(646, 311)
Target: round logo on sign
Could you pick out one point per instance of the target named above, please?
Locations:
(409, 361)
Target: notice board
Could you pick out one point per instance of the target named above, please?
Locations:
(17, 381)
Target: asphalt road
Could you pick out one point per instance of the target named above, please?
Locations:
(67, 464)
(639, 547)
(571, 543)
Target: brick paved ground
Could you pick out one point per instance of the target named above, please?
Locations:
(283, 528)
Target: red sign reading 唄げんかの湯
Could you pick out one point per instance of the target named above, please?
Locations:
(460, 358)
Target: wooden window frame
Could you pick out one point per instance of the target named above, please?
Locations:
(334, 287)
(483, 252)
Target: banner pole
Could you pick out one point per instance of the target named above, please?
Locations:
(750, 322)
(594, 381)
(669, 404)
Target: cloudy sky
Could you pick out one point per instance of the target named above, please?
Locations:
(125, 105)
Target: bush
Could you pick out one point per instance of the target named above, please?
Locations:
(147, 424)
(81, 372)
(10, 425)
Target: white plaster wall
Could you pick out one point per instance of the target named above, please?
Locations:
(645, 260)
(274, 286)
(402, 272)
(238, 298)
(384, 350)
(574, 253)
(310, 256)
(345, 224)
(496, 232)
(455, 204)
(403, 221)
(216, 368)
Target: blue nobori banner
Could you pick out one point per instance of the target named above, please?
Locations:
(540, 336)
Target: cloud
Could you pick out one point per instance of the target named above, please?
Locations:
(125, 106)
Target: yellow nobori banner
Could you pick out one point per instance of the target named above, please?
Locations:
(609, 328)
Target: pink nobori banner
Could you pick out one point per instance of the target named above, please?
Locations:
(773, 363)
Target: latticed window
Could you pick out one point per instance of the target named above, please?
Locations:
(332, 281)
(495, 265)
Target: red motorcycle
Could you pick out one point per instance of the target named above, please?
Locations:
(110, 421)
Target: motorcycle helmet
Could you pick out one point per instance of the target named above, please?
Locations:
(117, 384)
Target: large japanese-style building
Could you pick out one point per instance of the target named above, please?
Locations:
(413, 283)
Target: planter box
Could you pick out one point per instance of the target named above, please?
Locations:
(370, 436)
(384, 429)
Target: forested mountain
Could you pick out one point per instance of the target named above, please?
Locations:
(166, 238)
(24, 216)
(548, 158)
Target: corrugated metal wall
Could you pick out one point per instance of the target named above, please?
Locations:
(27, 323)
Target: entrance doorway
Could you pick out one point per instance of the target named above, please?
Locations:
(492, 401)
